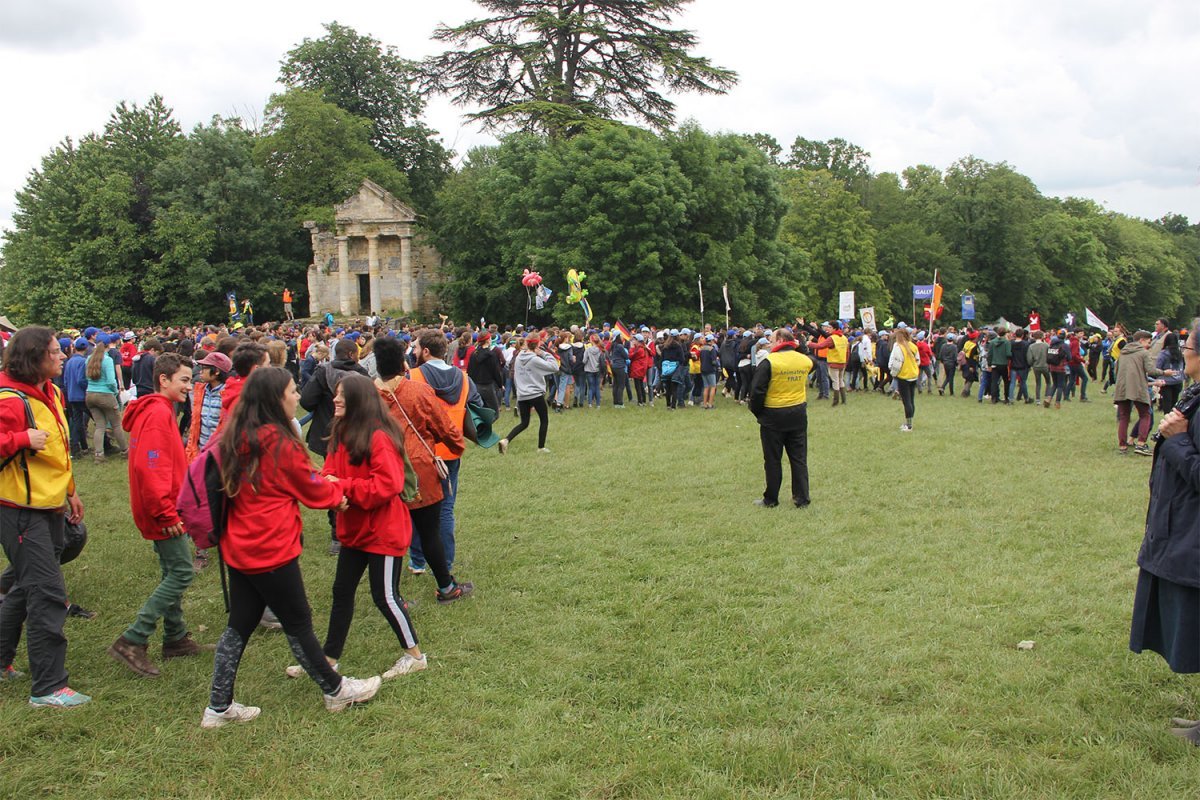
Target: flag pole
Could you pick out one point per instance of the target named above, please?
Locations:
(933, 301)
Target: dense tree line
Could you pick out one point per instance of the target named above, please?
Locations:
(142, 222)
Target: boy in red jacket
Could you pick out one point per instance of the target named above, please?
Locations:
(157, 466)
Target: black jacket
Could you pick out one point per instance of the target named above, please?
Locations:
(317, 397)
(1171, 547)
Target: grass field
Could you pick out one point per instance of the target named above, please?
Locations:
(641, 630)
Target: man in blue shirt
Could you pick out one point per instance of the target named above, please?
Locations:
(75, 386)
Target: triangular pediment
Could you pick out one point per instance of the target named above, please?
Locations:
(373, 203)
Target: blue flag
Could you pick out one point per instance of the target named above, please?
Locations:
(968, 306)
(923, 292)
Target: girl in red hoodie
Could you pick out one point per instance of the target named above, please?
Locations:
(365, 461)
(266, 475)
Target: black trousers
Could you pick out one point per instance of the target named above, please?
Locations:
(383, 572)
(33, 540)
(490, 396)
(537, 404)
(907, 391)
(283, 590)
(427, 526)
(620, 386)
(78, 418)
(795, 443)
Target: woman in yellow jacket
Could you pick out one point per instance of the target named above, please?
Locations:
(905, 364)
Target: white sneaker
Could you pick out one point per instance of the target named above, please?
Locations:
(502, 446)
(297, 671)
(405, 665)
(235, 713)
(543, 449)
(905, 428)
(353, 690)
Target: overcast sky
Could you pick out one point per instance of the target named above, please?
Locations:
(1093, 98)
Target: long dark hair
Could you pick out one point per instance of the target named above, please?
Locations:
(260, 405)
(1171, 345)
(365, 414)
(25, 353)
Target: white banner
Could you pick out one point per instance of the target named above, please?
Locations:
(868, 317)
(1094, 321)
(846, 305)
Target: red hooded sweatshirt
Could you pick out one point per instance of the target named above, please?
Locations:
(263, 532)
(377, 520)
(157, 464)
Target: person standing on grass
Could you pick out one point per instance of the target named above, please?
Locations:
(365, 460)
(904, 363)
(37, 499)
(454, 390)
(710, 368)
(779, 401)
(533, 364)
(1166, 605)
(1134, 369)
(1170, 359)
(102, 400)
(266, 474)
(594, 363)
(1019, 368)
(75, 388)
(418, 411)
(317, 397)
(618, 359)
(999, 354)
(157, 465)
(948, 356)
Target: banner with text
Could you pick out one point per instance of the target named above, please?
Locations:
(968, 306)
(923, 292)
(846, 305)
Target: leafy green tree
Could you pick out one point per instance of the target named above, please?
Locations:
(768, 145)
(317, 154)
(1148, 272)
(219, 227)
(826, 222)
(734, 208)
(357, 74)
(552, 65)
(987, 214)
(845, 161)
(1069, 245)
(468, 228)
(82, 233)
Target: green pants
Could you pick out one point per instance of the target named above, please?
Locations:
(166, 601)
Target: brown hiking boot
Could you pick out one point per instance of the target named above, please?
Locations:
(187, 646)
(133, 656)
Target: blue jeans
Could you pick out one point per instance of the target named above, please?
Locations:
(449, 495)
(563, 382)
(822, 378)
(593, 388)
(1078, 371)
(985, 382)
(1019, 376)
(508, 387)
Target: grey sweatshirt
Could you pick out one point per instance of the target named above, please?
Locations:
(529, 374)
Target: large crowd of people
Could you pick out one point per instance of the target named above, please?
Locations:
(388, 406)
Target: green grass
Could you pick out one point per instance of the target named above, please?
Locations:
(640, 630)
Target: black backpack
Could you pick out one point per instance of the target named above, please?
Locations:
(1055, 355)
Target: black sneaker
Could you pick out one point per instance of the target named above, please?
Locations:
(460, 590)
(76, 610)
(761, 503)
(1143, 450)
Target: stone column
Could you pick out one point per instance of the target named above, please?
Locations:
(345, 292)
(373, 272)
(406, 275)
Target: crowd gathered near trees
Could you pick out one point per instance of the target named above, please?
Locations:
(146, 228)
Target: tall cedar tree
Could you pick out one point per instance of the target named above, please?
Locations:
(553, 65)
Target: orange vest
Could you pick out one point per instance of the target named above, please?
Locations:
(454, 413)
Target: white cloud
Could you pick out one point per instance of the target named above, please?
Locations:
(1093, 98)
